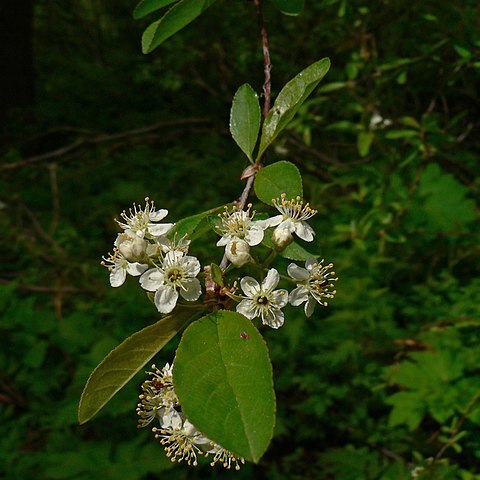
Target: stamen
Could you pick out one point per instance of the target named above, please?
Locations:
(294, 208)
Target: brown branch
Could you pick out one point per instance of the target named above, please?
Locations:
(267, 65)
(39, 229)
(64, 289)
(76, 146)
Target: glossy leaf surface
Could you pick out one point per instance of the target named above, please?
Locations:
(245, 117)
(122, 363)
(280, 177)
(290, 99)
(223, 378)
(178, 17)
(145, 7)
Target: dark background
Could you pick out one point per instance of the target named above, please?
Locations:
(383, 381)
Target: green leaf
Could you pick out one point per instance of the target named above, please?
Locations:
(146, 7)
(216, 273)
(280, 177)
(290, 99)
(122, 363)
(408, 409)
(289, 7)
(441, 202)
(223, 379)
(193, 225)
(179, 16)
(364, 142)
(245, 117)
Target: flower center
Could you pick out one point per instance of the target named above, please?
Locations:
(174, 275)
(237, 222)
(262, 300)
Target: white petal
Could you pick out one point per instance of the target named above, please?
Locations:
(117, 276)
(223, 241)
(298, 295)
(135, 269)
(269, 222)
(172, 257)
(310, 306)
(280, 297)
(311, 262)
(191, 265)
(151, 280)
(287, 224)
(159, 230)
(298, 273)
(254, 235)
(171, 419)
(247, 308)
(304, 231)
(271, 280)
(165, 299)
(158, 215)
(135, 233)
(274, 318)
(191, 289)
(249, 286)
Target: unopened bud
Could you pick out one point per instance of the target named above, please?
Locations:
(133, 249)
(238, 252)
(281, 238)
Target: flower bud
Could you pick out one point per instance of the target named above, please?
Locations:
(281, 238)
(238, 252)
(133, 249)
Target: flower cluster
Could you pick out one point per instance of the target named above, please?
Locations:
(167, 271)
(314, 282)
(150, 250)
(181, 440)
(163, 265)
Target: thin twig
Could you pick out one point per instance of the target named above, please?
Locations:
(267, 65)
(101, 139)
(39, 229)
(52, 168)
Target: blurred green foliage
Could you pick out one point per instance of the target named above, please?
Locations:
(383, 383)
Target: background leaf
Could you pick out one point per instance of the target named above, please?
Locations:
(179, 16)
(280, 177)
(146, 7)
(364, 141)
(122, 363)
(245, 117)
(223, 379)
(289, 7)
(290, 99)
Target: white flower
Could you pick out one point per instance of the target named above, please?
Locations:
(314, 284)
(119, 266)
(262, 300)
(180, 438)
(164, 245)
(176, 274)
(294, 214)
(158, 396)
(224, 457)
(142, 222)
(238, 252)
(133, 249)
(238, 225)
(378, 122)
